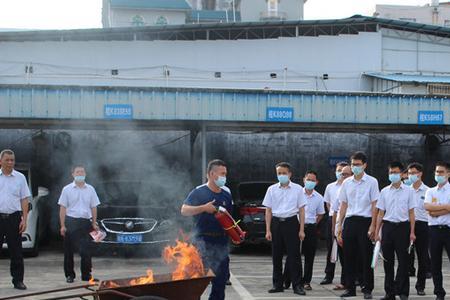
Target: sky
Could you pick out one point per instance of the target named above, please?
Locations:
(66, 14)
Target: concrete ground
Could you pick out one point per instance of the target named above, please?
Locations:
(251, 275)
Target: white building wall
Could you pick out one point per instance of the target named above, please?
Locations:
(251, 9)
(124, 17)
(414, 53)
(298, 62)
(421, 14)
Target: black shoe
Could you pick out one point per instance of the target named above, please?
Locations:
(228, 282)
(348, 294)
(275, 290)
(307, 287)
(20, 286)
(69, 279)
(299, 291)
(421, 292)
(404, 297)
(387, 297)
(367, 295)
(326, 281)
(287, 284)
(428, 275)
(440, 297)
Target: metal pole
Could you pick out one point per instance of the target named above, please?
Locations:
(203, 153)
(234, 12)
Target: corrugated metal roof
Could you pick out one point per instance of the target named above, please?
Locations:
(411, 78)
(213, 15)
(274, 29)
(151, 4)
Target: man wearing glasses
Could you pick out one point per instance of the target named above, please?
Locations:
(358, 197)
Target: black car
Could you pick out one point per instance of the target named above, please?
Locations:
(131, 218)
(250, 211)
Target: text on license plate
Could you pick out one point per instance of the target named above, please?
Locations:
(129, 238)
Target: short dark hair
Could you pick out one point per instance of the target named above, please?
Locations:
(311, 172)
(215, 163)
(443, 164)
(359, 155)
(284, 165)
(6, 151)
(415, 165)
(396, 164)
(342, 164)
(78, 166)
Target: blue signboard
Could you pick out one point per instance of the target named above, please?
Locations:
(118, 111)
(333, 160)
(280, 114)
(430, 117)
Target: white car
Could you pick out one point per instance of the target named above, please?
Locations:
(30, 238)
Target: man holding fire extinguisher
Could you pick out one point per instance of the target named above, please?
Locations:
(209, 235)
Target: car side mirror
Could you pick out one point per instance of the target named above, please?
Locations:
(42, 191)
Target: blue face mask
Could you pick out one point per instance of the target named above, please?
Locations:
(408, 181)
(80, 178)
(440, 179)
(338, 175)
(310, 185)
(413, 178)
(220, 181)
(357, 170)
(283, 179)
(394, 178)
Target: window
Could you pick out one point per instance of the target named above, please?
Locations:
(161, 20)
(272, 5)
(137, 21)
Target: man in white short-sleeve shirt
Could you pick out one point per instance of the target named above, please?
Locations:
(14, 199)
(421, 245)
(437, 203)
(396, 217)
(331, 198)
(285, 217)
(78, 216)
(358, 197)
(314, 211)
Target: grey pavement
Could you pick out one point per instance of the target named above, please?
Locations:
(251, 271)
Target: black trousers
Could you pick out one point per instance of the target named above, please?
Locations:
(77, 238)
(439, 239)
(357, 244)
(309, 251)
(395, 242)
(9, 230)
(285, 238)
(330, 267)
(421, 246)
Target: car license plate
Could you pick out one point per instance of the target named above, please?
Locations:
(129, 238)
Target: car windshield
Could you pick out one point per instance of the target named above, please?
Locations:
(253, 192)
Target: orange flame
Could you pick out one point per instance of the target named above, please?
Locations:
(188, 259)
(144, 279)
(91, 280)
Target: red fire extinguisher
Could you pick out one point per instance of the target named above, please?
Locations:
(230, 225)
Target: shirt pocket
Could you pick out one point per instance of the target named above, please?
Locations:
(14, 190)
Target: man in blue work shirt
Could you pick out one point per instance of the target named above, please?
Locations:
(209, 236)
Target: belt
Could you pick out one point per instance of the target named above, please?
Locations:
(396, 223)
(284, 219)
(310, 225)
(6, 216)
(446, 227)
(358, 218)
